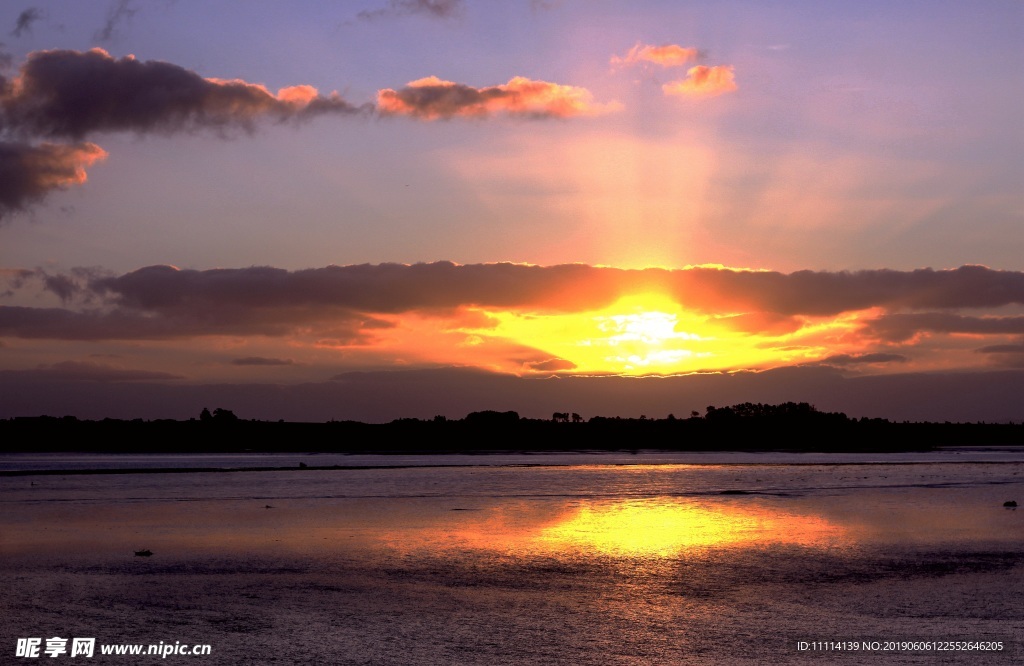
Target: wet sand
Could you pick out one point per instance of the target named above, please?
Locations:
(589, 564)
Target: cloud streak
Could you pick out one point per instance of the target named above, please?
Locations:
(438, 9)
(901, 327)
(120, 12)
(25, 21)
(863, 359)
(666, 55)
(1002, 349)
(261, 361)
(432, 98)
(84, 371)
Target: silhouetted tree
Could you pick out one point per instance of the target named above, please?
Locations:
(490, 417)
(223, 415)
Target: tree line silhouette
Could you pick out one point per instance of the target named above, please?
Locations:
(741, 427)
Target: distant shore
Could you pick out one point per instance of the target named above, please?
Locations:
(744, 427)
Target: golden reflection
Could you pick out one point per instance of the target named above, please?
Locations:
(664, 528)
(630, 528)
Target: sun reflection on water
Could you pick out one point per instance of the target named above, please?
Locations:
(653, 527)
(668, 527)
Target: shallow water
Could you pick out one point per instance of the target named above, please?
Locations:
(587, 560)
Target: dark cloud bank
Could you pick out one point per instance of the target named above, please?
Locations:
(165, 302)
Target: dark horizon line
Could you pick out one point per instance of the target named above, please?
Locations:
(739, 412)
(741, 427)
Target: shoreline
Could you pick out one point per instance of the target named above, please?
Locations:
(497, 459)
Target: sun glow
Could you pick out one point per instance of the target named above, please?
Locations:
(641, 334)
(647, 338)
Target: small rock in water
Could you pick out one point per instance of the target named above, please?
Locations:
(1010, 505)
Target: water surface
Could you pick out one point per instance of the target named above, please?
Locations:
(592, 559)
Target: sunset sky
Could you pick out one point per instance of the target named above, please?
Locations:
(399, 208)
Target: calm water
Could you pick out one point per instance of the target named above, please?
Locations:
(583, 559)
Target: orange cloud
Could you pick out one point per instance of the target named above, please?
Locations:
(300, 95)
(703, 81)
(28, 173)
(59, 166)
(432, 98)
(667, 55)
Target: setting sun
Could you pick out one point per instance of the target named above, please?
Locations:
(649, 334)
